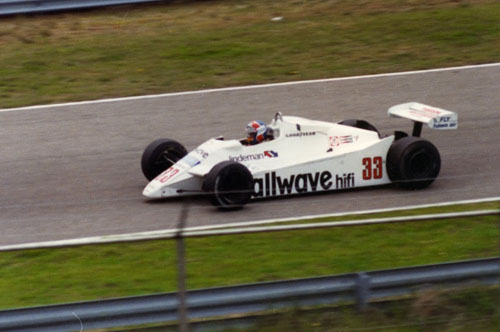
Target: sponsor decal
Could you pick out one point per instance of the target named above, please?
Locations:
(301, 134)
(346, 139)
(191, 160)
(335, 141)
(431, 110)
(256, 156)
(444, 122)
(273, 185)
(425, 112)
(201, 152)
(270, 154)
(194, 158)
(444, 125)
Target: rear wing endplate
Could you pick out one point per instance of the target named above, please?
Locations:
(434, 117)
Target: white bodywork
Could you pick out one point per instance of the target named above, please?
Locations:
(435, 118)
(304, 156)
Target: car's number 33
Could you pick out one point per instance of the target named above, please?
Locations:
(373, 168)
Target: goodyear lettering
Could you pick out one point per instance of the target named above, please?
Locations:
(301, 134)
(273, 185)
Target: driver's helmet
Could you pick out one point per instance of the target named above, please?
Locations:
(257, 131)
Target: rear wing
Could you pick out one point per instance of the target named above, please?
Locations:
(435, 118)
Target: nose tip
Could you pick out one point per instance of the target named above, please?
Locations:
(152, 191)
(156, 190)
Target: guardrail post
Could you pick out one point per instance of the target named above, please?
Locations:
(181, 270)
(362, 291)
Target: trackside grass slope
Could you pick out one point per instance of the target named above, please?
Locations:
(188, 45)
(36, 277)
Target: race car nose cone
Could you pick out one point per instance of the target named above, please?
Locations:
(151, 192)
(155, 190)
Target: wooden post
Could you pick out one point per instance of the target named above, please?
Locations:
(181, 271)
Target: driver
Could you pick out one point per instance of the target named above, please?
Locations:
(258, 131)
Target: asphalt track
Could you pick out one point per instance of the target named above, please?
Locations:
(71, 171)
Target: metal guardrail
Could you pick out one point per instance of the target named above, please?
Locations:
(13, 7)
(251, 298)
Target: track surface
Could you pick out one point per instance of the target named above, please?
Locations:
(74, 171)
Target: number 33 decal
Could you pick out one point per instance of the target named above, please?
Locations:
(373, 168)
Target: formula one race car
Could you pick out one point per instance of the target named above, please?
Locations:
(303, 156)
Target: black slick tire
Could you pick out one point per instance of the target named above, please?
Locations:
(159, 155)
(229, 185)
(413, 163)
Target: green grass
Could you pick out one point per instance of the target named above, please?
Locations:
(208, 44)
(36, 277)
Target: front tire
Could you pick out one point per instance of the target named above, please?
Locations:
(159, 155)
(229, 185)
(413, 163)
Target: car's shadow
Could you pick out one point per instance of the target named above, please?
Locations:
(202, 201)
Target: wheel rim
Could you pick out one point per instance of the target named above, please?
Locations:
(421, 165)
(166, 159)
(232, 188)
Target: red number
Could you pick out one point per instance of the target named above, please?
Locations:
(168, 174)
(376, 170)
(367, 172)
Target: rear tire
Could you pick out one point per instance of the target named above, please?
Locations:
(229, 185)
(159, 155)
(413, 163)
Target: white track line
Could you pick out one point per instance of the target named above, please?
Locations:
(248, 87)
(168, 233)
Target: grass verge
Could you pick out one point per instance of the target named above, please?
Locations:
(187, 45)
(36, 277)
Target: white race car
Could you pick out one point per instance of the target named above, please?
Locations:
(304, 156)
